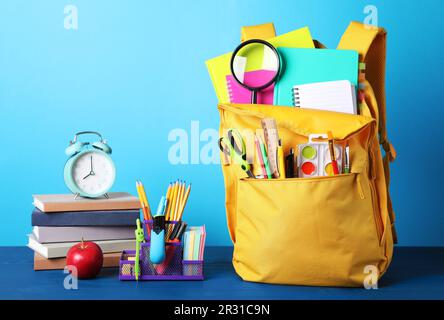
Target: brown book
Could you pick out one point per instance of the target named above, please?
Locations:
(41, 263)
(67, 202)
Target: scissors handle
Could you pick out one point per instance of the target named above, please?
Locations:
(233, 145)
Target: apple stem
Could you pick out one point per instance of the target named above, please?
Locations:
(83, 246)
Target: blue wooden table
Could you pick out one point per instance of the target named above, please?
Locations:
(416, 273)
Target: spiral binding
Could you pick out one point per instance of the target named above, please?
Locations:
(296, 97)
(230, 90)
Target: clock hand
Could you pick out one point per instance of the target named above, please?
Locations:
(91, 173)
(86, 176)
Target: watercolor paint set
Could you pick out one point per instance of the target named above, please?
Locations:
(315, 157)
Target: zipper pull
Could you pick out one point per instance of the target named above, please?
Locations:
(360, 190)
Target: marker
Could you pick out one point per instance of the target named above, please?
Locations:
(281, 161)
(347, 159)
(290, 164)
(161, 207)
(157, 243)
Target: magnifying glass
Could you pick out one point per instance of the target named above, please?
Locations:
(255, 55)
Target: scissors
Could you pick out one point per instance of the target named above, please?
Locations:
(233, 145)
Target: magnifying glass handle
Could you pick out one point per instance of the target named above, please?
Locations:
(253, 97)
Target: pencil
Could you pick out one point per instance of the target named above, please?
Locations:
(184, 190)
(184, 202)
(179, 196)
(145, 200)
(168, 197)
(173, 201)
(142, 205)
(170, 201)
(181, 200)
(138, 193)
(142, 191)
(179, 186)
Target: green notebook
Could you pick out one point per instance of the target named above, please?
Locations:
(302, 66)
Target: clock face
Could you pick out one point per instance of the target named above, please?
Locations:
(93, 173)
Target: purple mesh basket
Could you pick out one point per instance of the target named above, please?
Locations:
(173, 268)
(148, 225)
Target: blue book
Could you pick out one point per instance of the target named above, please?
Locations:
(303, 66)
(85, 218)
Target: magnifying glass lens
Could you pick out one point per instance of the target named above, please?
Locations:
(255, 65)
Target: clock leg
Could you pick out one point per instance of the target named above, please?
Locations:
(106, 195)
(76, 196)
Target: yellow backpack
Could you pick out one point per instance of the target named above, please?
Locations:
(324, 231)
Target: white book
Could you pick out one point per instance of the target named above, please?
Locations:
(70, 234)
(338, 96)
(59, 250)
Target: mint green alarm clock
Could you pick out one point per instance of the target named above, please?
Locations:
(89, 171)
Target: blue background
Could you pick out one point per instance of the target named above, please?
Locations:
(134, 70)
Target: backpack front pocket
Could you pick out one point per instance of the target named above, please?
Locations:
(311, 231)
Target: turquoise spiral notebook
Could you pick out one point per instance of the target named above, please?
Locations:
(302, 66)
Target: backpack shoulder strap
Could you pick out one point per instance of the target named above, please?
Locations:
(370, 42)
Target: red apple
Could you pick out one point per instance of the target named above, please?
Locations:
(87, 257)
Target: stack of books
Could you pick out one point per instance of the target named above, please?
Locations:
(59, 221)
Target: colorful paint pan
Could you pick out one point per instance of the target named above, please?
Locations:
(329, 169)
(308, 168)
(309, 152)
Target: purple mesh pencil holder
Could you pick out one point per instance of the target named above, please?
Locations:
(173, 268)
(148, 225)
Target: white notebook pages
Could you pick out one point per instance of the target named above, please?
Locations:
(338, 96)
